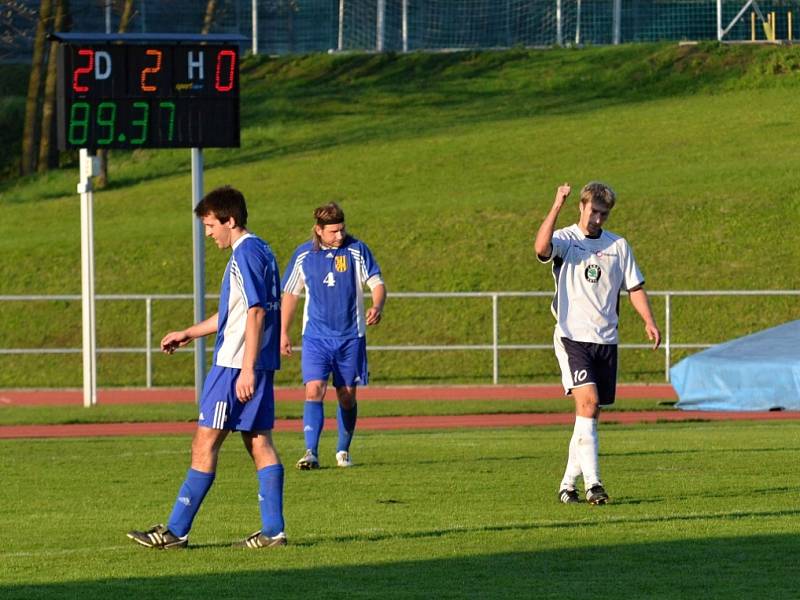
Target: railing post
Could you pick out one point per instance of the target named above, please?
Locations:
(340, 36)
(148, 311)
(495, 338)
(380, 26)
(667, 334)
(254, 26)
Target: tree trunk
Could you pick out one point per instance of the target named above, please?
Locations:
(28, 160)
(208, 21)
(124, 20)
(126, 16)
(47, 158)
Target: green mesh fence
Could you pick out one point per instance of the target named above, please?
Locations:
(302, 26)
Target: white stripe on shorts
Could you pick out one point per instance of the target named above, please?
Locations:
(219, 415)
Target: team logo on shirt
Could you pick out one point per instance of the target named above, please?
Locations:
(341, 264)
(592, 273)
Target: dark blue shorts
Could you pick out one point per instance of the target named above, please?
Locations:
(220, 409)
(586, 363)
(345, 358)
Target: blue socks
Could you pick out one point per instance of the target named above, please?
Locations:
(190, 497)
(347, 426)
(270, 499)
(313, 422)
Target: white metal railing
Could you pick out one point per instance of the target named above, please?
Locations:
(495, 346)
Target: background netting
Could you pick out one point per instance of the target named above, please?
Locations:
(302, 26)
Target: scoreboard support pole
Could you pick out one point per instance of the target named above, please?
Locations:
(198, 254)
(89, 167)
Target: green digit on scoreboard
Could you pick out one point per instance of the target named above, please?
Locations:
(78, 122)
(171, 123)
(142, 122)
(106, 117)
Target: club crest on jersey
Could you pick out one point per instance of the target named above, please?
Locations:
(592, 273)
(341, 264)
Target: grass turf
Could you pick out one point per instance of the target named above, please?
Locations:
(699, 510)
(445, 164)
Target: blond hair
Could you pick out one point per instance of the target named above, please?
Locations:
(327, 214)
(596, 192)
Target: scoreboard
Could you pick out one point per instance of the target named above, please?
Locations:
(166, 94)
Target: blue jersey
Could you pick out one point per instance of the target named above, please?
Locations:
(251, 279)
(334, 280)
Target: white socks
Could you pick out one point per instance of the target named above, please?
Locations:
(573, 465)
(582, 454)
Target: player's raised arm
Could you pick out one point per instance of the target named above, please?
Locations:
(641, 303)
(177, 339)
(544, 237)
(288, 308)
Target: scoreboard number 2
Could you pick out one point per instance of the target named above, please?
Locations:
(148, 70)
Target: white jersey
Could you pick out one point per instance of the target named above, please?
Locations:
(589, 275)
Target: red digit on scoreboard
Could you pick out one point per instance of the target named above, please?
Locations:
(151, 70)
(230, 70)
(83, 71)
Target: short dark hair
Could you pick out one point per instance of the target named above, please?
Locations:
(225, 203)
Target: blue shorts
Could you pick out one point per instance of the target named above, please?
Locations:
(220, 409)
(586, 363)
(345, 358)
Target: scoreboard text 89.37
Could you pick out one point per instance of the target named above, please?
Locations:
(164, 95)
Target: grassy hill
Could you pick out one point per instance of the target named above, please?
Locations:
(445, 165)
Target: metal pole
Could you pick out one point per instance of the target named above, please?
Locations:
(405, 25)
(559, 30)
(667, 334)
(254, 19)
(379, 26)
(617, 25)
(495, 341)
(340, 40)
(108, 16)
(198, 255)
(578, 24)
(88, 168)
(148, 332)
(719, 20)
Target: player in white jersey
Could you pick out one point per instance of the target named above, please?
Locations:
(333, 268)
(238, 393)
(591, 267)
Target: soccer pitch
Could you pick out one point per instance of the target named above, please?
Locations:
(698, 510)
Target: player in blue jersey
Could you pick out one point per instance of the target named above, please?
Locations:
(333, 269)
(238, 393)
(591, 266)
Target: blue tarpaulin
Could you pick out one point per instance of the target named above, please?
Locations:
(757, 372)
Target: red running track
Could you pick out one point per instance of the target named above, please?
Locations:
(385, 423)
(74, 397)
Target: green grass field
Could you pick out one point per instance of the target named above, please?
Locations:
(699, 510)
(445, 164)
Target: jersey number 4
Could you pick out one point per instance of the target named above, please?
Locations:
(329, 280)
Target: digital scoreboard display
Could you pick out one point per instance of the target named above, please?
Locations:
(160, 95)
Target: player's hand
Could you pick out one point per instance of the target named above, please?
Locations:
(174, 340)
(562, 193)
(245, 385)
(374, 315)
(654, 335)
(286, 345)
